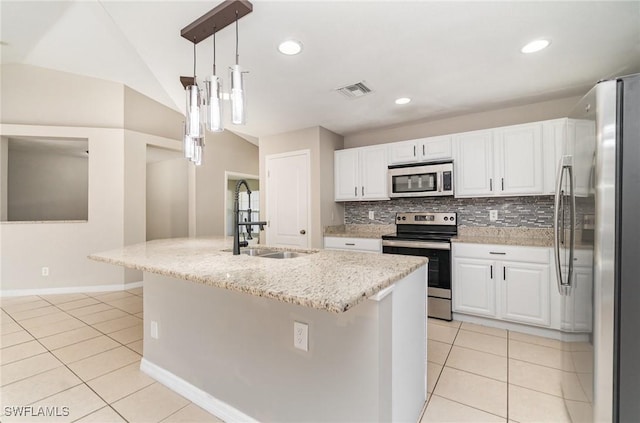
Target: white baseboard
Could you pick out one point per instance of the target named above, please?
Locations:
(196, 395)
(69, 290)
(523, 328)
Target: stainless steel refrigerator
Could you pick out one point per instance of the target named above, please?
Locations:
(597, 254)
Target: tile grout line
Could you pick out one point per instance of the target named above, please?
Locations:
(471, 406)
(83, 382)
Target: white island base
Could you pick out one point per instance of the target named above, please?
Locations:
(233, 354)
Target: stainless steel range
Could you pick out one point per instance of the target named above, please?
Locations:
(428, 235)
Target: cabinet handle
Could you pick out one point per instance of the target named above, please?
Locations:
(355, 191)
(497, 253)
(349, 243)
(490, 184)
(504, 273)
(414, 151)
(363, 190)
(492, 271)
(424, 153)
(502, 183)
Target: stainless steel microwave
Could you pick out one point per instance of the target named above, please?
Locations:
(422, 180)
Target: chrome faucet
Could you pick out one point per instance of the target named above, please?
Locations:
(236, 219)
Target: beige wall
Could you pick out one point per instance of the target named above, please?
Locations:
(321, 144)
(469, 122)
(47, 185)
(167, 199)
(49, 103)
(142, 114)
(223, 151)
(4, 176)
(38, 96)
(63, 247)
(332, 213)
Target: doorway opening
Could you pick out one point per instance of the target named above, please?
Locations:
(230, 181)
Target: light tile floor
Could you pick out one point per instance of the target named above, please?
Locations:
(83, 351)
(482, 374)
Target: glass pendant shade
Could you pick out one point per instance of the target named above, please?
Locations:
(238, 110)
(213, 104)
(188, 144)
(193, 119)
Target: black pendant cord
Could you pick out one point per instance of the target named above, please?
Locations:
(194, 61)
(214, 50)
(237, 37)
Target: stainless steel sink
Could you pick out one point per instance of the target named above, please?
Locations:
(269, 253)
(284, 255)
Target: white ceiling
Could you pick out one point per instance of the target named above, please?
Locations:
(449, 57)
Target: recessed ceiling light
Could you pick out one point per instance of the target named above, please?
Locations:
(403, 100)
(536, 45)
(290, 47)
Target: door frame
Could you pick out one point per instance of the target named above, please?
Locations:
(267, 159)
(228, 174)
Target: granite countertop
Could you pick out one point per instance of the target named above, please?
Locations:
(327, 280)
(359, 231)
(528, 237)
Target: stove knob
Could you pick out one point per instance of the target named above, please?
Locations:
(404, 217)
(446, 218)
(399, 218)
(452, 218)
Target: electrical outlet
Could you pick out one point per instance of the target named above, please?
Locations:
(493, 215)
(154, 329)
(301, 336)
(45, 271)
(372, 215)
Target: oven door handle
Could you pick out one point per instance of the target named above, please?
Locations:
(417, 244)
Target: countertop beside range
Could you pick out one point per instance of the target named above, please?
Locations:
(527, 237)
(335, 281)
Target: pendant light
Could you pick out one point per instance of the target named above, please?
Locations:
(213, 96)
(204, 107)
(193, 125)
(238, 110)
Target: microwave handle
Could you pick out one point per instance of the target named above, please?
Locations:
(439, 175)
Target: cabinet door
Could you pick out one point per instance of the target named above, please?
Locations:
(474, 164)
(519, 165)
(403, 152)
(473, 287)
(346, 174)
(435, 148)
(554, 134)
(373, 173)
(525, 293)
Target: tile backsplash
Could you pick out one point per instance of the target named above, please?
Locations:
(530, 212)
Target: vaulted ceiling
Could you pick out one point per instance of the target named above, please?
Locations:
(449, 57)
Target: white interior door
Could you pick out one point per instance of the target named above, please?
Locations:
(288, 179)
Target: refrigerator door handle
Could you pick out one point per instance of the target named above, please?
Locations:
(565, 163)
(572, 229)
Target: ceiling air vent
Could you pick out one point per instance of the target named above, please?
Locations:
(356, 90)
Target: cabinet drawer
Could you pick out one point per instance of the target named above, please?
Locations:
(502, 252)
(353, 244)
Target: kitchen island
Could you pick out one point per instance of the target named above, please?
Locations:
(219, 329)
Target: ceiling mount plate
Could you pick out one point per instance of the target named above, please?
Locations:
(219, 17)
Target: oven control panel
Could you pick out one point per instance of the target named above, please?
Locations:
(426, 218)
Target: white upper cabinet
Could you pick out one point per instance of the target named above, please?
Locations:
(420, 150)
(500, 162)
(474, 164)
(361, 174)
(554, 134)
(519, 168)
(346, 178)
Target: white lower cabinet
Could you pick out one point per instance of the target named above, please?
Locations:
(367, 245)
(525, 293)
(474, 290)
(502, 282)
